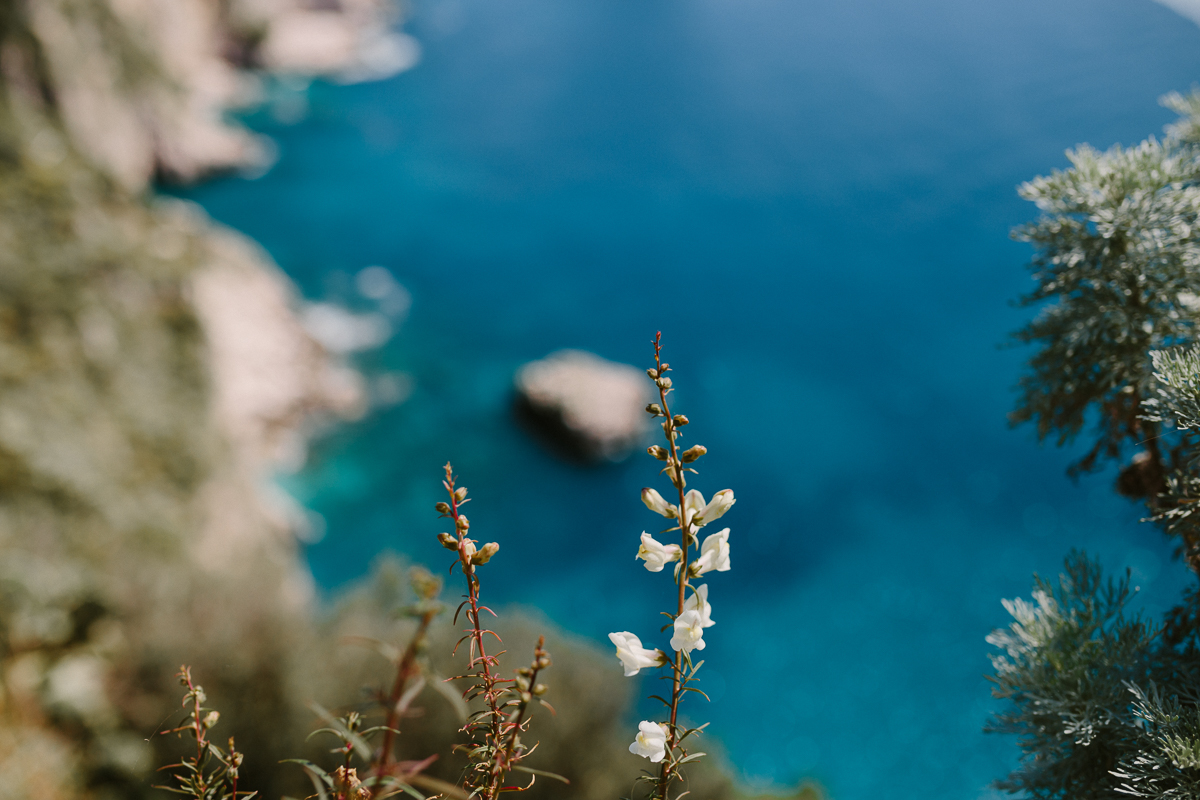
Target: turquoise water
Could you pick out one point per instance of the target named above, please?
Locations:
(812, 200)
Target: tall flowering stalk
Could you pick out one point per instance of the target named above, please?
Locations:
(495, 730)
(212, 774)
(382, 774)
(663, 742)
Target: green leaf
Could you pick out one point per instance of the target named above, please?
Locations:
(361, 747)
(307, 765)
(541, 772)
(452, 695)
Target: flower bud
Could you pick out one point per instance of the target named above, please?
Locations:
(655, 502)
(543, 662)
(653, 373)
(442, 508)
(675, 476)
(425, 584)
(462, 523)
(460, 494)
(657, 451)
(522, 683)
(526, 697)
(663, 383)
(693, 452)
(680, 420)
(655, 409)
(211, 718)
(449, 542)
(466, 551)
(485, 553)
(540, 689)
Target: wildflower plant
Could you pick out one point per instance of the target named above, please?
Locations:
(494, 731)
(211, 774)
(663, 743)
(384, 776)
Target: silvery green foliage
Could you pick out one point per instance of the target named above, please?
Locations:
(1187, 129)
(1177, 387)
(1166, 764)
(1106, 705)
(1118, 257)
(1066, 660)
(1176, 405)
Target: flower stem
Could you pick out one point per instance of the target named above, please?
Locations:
(484, 661)
(675, 472)
(404, 671)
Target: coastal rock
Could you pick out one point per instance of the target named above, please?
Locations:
(144, 87)
(588, 407)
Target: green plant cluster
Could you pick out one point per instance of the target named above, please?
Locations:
(1106, 704)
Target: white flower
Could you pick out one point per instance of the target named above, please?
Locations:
(655, 502)
(633, 656)
(716, 508)
(651, 741)
(689, 632)
(697, 512)
(693, 503)
(698, 601)
(714, 554)
(656, 554)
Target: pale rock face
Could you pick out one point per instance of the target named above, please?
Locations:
(155, 97)
(271, 382)
(599, 405)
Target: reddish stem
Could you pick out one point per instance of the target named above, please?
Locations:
(404, 671)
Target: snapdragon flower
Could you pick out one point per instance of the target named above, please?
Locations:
(656, 503)
(651, 741)
(721, 502)
(466, 551)
(699, 513)
(656, 554)
(693, 505)
(714, 554)
(698, 601)
(689, 632)
(633, 656)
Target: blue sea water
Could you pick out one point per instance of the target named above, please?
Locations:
(812, 201)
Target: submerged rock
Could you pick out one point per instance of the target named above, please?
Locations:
(589, 408)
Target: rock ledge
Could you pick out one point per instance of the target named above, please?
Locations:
(587, 407)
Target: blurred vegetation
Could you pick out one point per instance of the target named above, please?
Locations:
(1105, 703)
(111, 463)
